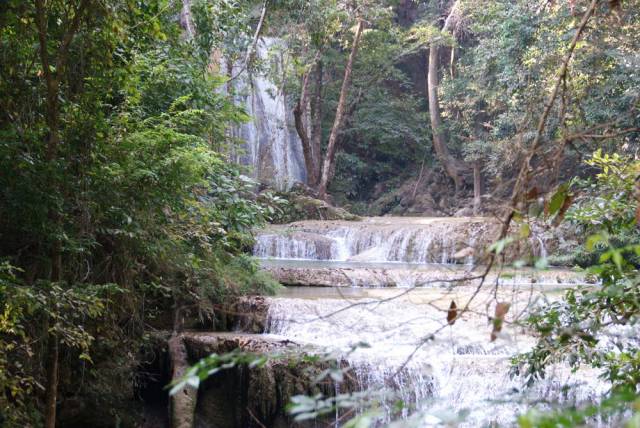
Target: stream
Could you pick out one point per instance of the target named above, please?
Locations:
(443, 374)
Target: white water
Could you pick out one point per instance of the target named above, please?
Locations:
(438, 371)
(385, 239)
(458, 369)
(271, 145)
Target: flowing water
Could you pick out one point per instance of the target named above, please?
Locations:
(439, 371)
(385, 239)
(431, 366)
(270, 143)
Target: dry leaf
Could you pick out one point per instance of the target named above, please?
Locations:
(498, 319)
(452, 314)
(533, 193)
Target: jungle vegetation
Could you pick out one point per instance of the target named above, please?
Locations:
(122, 211)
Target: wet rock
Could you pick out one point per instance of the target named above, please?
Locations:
(250, 314)
(464, 212)
(183, 402)
(305, 207)
(256, 397)
(381, 275)
(464, 253)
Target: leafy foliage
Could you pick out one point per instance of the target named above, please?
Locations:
(596, 325)
(134, 211)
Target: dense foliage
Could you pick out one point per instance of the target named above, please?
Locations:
(498, 67)
(596, 325)
(118, 208)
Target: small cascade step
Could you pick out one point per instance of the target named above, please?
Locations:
(423, 240)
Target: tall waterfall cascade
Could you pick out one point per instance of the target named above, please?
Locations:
(269, 143)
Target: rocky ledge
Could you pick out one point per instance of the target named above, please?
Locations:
(323, 274)
(242, 396)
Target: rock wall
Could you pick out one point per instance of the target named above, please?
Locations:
(256, 397)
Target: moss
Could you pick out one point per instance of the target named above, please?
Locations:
(303, 207)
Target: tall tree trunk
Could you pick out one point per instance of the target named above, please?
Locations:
(439, 138)
(53, 68)
(299, 114)
(327, 166)
(51, 392)
(316, 126)
(452, 166)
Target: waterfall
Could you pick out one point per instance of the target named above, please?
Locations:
(269, 142)
(415, 268)
(389, 239)
(409, 240)
(542, 249)
(457, 370)
(271, 145)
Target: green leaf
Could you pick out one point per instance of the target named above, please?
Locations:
(592, 241)
(500, 245)
(557, 200)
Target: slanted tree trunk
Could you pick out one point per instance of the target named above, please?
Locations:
(453, 167)
(330, 154)
(251, 51)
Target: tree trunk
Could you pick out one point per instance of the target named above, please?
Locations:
(53, 345)
(51, 392)
(452, 63)
(316, 126)
(186, 20)
(452, 166)
(477, 187)
(251, 51)
(299, 113)
(183, 402)
(53, 68)
(636, 194)
(439, 138)
(329, 157)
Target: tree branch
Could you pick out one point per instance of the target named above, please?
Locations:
(252, 48)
